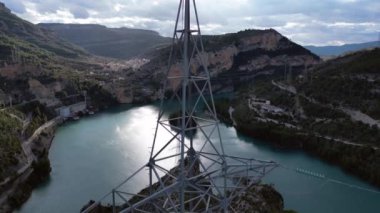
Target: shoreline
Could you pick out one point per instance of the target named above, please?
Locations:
(42, 138)
(240, 130)
(15, 185)
(354, 159)
(19, 189)
(323, 149)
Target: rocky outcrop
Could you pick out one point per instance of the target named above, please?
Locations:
(123, 95)
(219, 61)
(3, 8)
(269, 41)
(233, 59)
(256, 199)
(44, 94)
(11, 72)
(259, 199)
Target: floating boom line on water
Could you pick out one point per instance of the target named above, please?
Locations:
(320, 176)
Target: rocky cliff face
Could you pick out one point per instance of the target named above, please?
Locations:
(259, 198)
(234, 59)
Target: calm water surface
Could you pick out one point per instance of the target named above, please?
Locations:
(93, 155)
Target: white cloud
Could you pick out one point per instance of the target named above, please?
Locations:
(118, 7)
(306, 22)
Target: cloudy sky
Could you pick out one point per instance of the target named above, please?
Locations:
(320, 22)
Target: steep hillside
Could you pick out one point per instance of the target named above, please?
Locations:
(28, 72)
(339, 50)
(35, 64)
(352, 81)
(122, 43)
(331, 111)
(10, 148)
(13, 26)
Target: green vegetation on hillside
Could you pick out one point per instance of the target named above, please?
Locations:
(324, 119)
(41, 172)
(363, 161)
(122, 43)
(352, 81)
(314, 111)
(46, 67)
(97, 96)
(16, 50)
(315, 119)
(10, 145)
(16, 27)
(223, 106)
(265, 90)
(39, 113)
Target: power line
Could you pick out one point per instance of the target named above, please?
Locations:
(321, 176)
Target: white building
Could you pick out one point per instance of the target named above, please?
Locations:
(67, 111)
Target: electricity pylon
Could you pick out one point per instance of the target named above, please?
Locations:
(205, 179)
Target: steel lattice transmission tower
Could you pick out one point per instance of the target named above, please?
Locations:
(204, 179)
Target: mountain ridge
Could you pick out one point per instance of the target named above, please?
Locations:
(332, 50)
(13, 26)
(120, 43)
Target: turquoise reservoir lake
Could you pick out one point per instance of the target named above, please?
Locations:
(91, 156)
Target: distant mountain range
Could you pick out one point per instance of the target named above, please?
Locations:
(126, 43)
(339, 50)
(122, 43)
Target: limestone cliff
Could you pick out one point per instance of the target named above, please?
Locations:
(236, 58)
